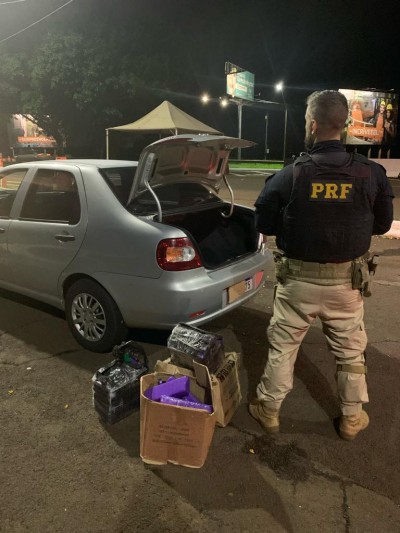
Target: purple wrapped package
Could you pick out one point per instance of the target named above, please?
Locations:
(181, 402)
(178, 387)
(191, 398)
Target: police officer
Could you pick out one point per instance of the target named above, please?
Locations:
(323, 210)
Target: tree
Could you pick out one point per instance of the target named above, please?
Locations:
(76, 85)
(116, 64)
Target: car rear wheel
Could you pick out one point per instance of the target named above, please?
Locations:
(93, 317)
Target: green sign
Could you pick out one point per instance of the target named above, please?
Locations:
(240, 85)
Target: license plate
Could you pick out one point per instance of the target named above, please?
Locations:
(237, 290)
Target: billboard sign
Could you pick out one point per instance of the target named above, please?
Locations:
(240, 85)
(24, 133)
(372, 117)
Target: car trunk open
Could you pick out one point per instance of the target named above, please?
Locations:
(221, 231)
(219, 239)
(177, 183)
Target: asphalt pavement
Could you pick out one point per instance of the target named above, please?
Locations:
(64, 471)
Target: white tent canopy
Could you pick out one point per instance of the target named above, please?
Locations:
(166, 118)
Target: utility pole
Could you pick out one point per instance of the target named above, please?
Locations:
(284, 136)
(240, 106)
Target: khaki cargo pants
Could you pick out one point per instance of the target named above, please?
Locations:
(314, 290)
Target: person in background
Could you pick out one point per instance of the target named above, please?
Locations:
(323, 210)
(378, 121)
(390, 126)
(356, 115)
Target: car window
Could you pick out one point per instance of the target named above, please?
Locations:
(52, 197)
(120, 181)
(9, 185)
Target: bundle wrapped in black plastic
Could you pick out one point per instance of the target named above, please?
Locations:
(187, 344)
(116, 386)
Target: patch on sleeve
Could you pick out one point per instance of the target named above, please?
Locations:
(331, 190)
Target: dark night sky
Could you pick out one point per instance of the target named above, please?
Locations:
(309, 44)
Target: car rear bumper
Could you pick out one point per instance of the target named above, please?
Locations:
(194, 297)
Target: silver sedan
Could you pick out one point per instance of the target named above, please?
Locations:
(120, 244)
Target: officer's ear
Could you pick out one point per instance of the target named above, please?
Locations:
(314, 126)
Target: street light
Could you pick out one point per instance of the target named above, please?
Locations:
(279, 88)
(224, 102)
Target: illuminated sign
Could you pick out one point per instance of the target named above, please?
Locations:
(39, 141)
(23, 132)
(240, 85)
(372, 117)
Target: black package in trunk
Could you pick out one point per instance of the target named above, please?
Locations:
(220, 239)
(222, 232)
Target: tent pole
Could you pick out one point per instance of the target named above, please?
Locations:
(107, 153)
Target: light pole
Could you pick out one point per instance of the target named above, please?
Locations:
(284, 136)
(224, 101)
(266, 150)
(240, 106)
(279, 88)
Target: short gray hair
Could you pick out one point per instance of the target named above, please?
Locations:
(329, 108)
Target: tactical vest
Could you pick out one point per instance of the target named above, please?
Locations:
(329, 217)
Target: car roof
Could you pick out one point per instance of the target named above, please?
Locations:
(104, 163)
(97, 163)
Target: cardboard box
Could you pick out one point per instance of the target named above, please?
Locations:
(225, 386)
(174, 434)
(225, 389)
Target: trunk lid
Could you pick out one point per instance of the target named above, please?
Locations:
(190, 158)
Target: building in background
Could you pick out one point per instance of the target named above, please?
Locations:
(28, 142)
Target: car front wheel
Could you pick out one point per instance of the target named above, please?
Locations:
(93, 317)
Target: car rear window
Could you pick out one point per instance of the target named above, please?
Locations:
(120, 181)
(10, 182)
(52, 197)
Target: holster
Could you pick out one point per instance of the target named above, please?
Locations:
(281, 266)
(362, 272)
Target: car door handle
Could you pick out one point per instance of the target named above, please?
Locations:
(64, 237)
(2, 230)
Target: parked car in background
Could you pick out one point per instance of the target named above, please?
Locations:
(121, 244)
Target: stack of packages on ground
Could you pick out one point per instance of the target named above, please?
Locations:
(116, 386)
(186, 395)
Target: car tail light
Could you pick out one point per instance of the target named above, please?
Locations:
(177, 254)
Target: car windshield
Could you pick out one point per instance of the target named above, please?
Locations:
(120, 181)
(173, 197)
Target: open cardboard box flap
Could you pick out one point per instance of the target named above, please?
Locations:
(200, 372)
(225, 387)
